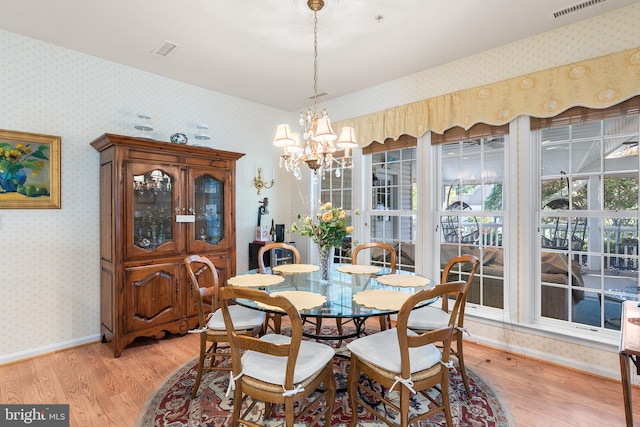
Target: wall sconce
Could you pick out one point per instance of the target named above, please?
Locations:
(259, 183)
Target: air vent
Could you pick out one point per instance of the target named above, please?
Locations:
(576, 7)
(166, 49)
(319, 95)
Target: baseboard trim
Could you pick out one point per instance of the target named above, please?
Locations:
(41, 351)
(549, 358)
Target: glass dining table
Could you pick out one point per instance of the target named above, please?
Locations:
(353, 292)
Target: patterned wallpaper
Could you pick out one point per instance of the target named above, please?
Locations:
(49, 262)
(49, 271)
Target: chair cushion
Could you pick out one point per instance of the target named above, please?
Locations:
(428, 318)
(382, 350)
(312, 357)
(243, 318)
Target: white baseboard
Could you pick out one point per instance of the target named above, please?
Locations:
(40, 351)
(551, 358)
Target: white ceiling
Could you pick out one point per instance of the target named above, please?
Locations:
(262, 50)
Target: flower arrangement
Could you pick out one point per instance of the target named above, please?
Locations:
(329, 229)
(13, 161)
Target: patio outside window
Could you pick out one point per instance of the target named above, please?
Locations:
(472, 212)
(588, 228)
(391, 215)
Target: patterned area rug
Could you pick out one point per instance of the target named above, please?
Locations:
(170, 405)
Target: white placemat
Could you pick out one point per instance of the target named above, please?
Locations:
(255, 280)
(295, 268)
(402, 280)
(302, 300)
(381, 299)
(358, 269)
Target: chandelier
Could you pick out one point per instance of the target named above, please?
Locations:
(318, 136)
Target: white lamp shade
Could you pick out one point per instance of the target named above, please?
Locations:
(283, 136)
(323, 131)
(347, 138)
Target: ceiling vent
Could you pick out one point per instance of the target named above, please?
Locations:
(166, 49)
(575, 8)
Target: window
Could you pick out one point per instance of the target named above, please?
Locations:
(338, 190)
(471, 215)
(588, 228)
(391, 209)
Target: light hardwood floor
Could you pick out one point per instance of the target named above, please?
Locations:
(104, 391)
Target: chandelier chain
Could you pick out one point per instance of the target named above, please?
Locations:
(315, 62)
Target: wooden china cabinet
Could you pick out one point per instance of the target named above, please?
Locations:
(159, 202)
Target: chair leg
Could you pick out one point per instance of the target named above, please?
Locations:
(277, 323)
(237, 404)
(352, 388)
(385, 322)
(460, 356)
(446, 402)
(331, 395)
(289, 416)
(267, 410)
(212, 354)
(340, 331)
(404, 406)
(318, 326)
(203, 354)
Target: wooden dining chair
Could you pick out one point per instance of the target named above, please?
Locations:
(278, 369)
(274, 318)
(402, 360)
(205, 288)
(375, 248)
(434, 317)
(388, 256)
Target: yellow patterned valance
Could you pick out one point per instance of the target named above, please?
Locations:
(597, 83)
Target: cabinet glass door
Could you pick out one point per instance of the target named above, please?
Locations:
(209, 205)
(152, 200)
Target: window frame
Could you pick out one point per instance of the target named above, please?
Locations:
(481, 312)
(575, 116)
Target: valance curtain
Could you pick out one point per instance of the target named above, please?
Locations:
(596, 83)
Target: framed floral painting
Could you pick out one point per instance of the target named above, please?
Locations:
(29, 170)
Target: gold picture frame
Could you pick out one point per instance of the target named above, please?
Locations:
(29, 170)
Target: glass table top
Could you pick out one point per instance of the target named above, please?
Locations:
(339, 291)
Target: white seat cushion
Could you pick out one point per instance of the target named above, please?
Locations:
(382, 350)
(243, 318)
(428, 318)
(312, 357)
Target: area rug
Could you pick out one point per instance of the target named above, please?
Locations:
(170, 405)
